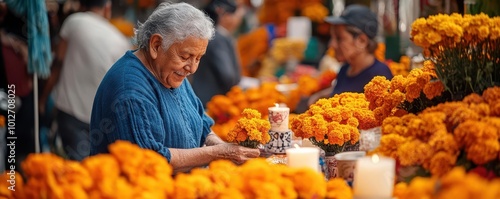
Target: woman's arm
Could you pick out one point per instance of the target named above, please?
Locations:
(185, 159)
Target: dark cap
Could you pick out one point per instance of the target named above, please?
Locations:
(358, 16)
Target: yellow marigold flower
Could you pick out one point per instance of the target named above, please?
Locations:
(353, 122)
(379, 84)
(429, 66)
(337, 188)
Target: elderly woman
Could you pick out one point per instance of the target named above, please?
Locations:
(146, 99)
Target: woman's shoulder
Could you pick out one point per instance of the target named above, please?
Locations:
(380, 68)
(127, 74)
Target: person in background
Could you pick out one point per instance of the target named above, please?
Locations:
(353, 39)
(220, 68)
(89, 45)
(146, 99)
(15, 79)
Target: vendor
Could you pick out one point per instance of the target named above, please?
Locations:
(353, 39)
(145, 97)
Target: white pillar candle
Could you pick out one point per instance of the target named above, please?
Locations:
(278, 117)
(303, 157)
(374, 177)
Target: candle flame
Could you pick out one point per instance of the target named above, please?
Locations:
(276, 105)
(296, 145)
(375, 158)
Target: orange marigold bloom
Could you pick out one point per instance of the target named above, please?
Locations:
(441, 162)
(491, 94)
(389, 145)
(473, 98)
(433, 89)
(443, 141)
(414, 152)
(484, 151)
(495, 108)
(337, 188)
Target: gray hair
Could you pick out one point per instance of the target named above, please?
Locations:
(175, 23)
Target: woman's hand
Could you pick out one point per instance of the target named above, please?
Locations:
(235, 153)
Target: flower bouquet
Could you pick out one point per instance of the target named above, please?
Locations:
(250, 130)
(332, 124)
(464, 49)
(464, 133)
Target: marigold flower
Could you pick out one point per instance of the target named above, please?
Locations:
(441, 162)
(337, 188)
(483, 151)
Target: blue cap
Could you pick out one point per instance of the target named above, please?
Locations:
(358, 16)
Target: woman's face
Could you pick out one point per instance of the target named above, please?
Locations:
(346, 46)
(172, 65)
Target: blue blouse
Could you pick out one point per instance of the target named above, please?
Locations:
(131, 104)
(357, 83)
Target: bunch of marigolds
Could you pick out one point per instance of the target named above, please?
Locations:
(250, 130)
(464, 133)
(464, 49)
(454, 184)
(135, 173)
(386, 97)
(331, 123)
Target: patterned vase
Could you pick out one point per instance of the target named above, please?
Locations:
(331, 165)
(280, 141)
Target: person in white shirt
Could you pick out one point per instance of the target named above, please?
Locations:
(89, 46)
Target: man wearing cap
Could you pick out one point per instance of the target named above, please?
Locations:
(353, 39)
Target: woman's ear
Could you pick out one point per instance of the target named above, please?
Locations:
(362, 41)
(155, 43)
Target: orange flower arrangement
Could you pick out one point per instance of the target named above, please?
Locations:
(387, 97)
(148, 175)
(468, 41)
(462, 133)
(454, 184)
(250, 130)
(127, 172)
(332, 123)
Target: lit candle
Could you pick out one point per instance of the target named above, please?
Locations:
(278, 117)
(374, 177)
(300, 157)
